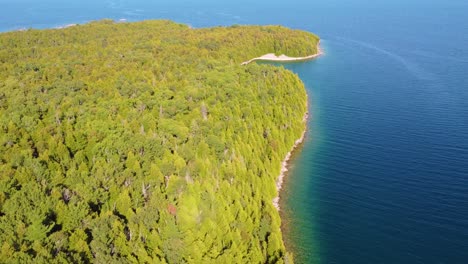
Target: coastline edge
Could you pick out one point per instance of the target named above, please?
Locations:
(285, 162)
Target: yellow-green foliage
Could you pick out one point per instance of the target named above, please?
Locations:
(145, 142)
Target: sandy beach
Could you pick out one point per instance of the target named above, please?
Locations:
(284, 58)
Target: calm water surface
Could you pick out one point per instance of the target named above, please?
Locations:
(383, 174)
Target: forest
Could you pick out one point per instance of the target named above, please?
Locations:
(145, 142)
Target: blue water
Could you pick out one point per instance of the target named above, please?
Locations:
(383, 174)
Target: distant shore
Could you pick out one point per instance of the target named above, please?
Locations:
(283, 58)
(66, 26)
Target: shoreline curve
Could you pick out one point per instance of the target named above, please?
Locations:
(285, 162)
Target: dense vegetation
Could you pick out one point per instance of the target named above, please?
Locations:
(145, 142)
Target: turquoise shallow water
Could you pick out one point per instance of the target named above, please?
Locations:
(383, 174)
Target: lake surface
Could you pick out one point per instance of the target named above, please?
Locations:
(383, 174)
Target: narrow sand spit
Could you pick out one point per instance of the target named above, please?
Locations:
(284, 58)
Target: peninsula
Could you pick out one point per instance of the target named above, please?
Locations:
(146, 142)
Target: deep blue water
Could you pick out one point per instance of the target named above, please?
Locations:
(383, 174)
